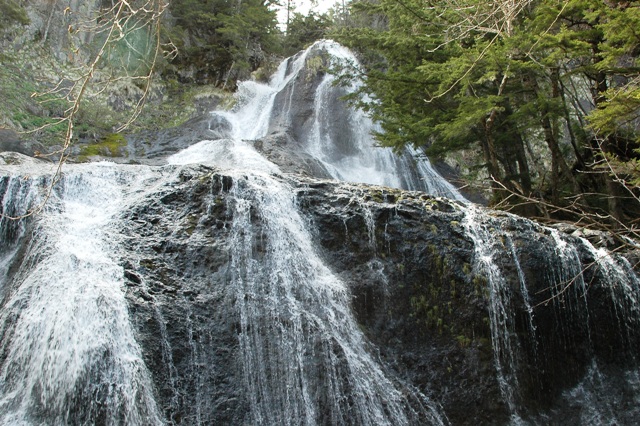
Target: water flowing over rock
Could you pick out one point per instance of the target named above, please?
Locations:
(234, 280)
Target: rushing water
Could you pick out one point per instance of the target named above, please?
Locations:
(295, 317)
(501, 311)
(69, 355)
(68, 349)
(338, 136)
(295, 313)
(566, 291)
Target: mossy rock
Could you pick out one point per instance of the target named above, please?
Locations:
(111, 145)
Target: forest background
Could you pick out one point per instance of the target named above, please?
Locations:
(534, 104)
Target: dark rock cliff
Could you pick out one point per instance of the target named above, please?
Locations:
(416, 291)
(491, 318)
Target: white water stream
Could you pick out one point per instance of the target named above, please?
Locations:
(348, 151)
(69, 353)
(567, 294)
(295, 313)
(501, 312)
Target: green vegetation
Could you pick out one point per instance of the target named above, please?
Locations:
(543, 92)
(463, 341)
(303, 30)
(133, 53)
(110, 146)
(222, 40)
(536, 100)
(218, 42)
(20, 110)
(12, 13)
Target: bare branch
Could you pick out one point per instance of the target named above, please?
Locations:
(113, 24)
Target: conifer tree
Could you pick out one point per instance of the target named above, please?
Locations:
(223, 39)
(545, 91)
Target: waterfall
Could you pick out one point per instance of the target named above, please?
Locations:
(295, 317)
(501, 311)
(255, 101)
(290, 303)
(339, 136)
(206, 290)
(565, 292)
(69, 352)
(69, 355)
(295, 313)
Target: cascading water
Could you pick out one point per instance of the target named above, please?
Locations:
(338, 136)
(342, 139)
(294, 313)
(598, 398)
(295, 316)
(69, 352)
(69, 355)
(501, 312)
(199, 293)
(565, 293)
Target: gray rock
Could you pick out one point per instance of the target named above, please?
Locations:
(283, 150)
(416, 293)
(12, 141)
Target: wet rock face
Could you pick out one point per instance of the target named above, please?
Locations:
(425, 306)
(387, 250)
(153, 147)
(294, 106)
(283, 150)
(179, 302)
(408, 262)
(308, 99)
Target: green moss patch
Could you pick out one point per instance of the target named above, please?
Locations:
(110, 146)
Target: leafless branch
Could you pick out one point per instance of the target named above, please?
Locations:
(113, 24)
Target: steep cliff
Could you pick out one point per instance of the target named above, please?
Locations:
(230, 279)
(489, 315)
(54, 24)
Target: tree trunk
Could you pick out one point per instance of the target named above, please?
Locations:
(560, 170)
(615, 191)
(491, 159)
